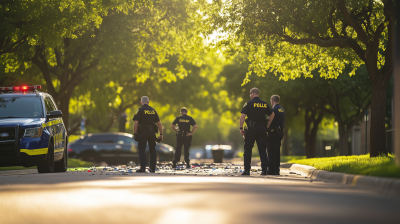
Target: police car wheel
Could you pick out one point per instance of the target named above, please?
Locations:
(61, 166)
(48, 166)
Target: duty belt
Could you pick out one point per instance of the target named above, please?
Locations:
(183, 133)
(252, 124)
(147, 127)
(277, 129)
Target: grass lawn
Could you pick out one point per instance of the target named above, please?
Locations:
(382, 166)
(72, 163)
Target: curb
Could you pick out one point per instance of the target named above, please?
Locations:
(383, 185)
(12, 172)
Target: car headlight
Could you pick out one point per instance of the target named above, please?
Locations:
(33, 132)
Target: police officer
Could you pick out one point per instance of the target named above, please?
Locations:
(183, 135)
(256, 111)
(144, 132)
(275, 135)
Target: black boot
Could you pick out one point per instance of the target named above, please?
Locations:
(246, 172)
(270, 172)
(174, 166)
(263, 173)
(141, 170)
(151, 170)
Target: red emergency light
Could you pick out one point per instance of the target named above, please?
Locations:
(20, 88)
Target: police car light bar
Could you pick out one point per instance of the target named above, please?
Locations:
(19, 88)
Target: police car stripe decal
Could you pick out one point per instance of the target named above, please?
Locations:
(33, 152)
(59, 149)
(51, 123)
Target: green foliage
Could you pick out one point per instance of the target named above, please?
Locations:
(382, 166)
(130, 38)
(73, 138)
(48, 21)
(293, 38)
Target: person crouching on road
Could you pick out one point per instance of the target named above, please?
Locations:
(144, 131)
(181, 126)
(256, 111)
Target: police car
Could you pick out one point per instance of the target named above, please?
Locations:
(32, 131)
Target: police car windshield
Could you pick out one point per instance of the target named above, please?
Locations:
(20, 107)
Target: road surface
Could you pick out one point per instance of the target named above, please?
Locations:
(81, 197)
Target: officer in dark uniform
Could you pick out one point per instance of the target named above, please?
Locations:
(183, 135)
(144, 132)
(256, 111)
(275, 136)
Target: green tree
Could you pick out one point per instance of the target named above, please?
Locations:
(36, 21)
(134, 37)
(295, 37)
(346, 99)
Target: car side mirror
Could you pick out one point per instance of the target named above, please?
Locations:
(55, 114)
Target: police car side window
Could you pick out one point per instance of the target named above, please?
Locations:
(52, 103)
(48, 105)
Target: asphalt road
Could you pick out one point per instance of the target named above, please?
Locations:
(80, 197)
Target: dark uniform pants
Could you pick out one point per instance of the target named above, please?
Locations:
(258, 135)
(274, 141)
(144, 138)
(186, 142)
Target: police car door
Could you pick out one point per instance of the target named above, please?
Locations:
(54, 127)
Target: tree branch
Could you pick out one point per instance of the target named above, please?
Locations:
(387, 69)
(14, 46)
(330, 22)
(40, 60)
(77, 79)
(341, 5)
(334, 42)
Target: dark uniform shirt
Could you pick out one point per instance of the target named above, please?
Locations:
(279, 118)
(256, 109)
(184, 122)
(146, 115)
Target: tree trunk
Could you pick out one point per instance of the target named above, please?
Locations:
(285, 142)
(343, 139)
(378, 131)
(307, 136)
(312, 140)
(310, 134)
(64, 107)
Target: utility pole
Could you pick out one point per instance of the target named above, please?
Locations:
(396, 89)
